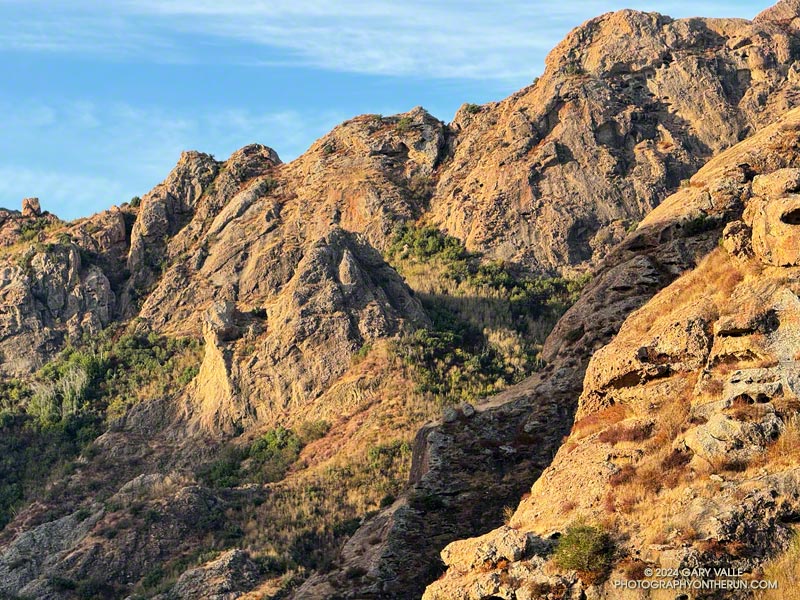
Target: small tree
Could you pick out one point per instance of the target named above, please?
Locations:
(586, 549)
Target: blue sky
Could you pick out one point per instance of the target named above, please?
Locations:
(99, 97)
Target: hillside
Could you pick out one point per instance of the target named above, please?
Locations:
(683, 446)
(269, 380)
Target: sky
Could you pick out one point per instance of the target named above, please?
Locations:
(99, 97)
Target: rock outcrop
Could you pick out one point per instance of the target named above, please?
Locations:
(696, 391)
(630, 104)
(31, 208)
(49, 295)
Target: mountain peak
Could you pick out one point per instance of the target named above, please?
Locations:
(785, 12)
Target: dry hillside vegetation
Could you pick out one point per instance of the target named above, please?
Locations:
(684, 444)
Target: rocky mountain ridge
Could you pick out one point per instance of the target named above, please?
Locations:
(347, 297)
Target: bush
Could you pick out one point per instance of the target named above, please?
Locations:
(626, 433)
(224, 472)
(426, 242)
(135, 202)
(584, 548)
(382, 457)
(310, 431)
(472, 108)
(62, 584)
(676, 459)
(700, 224)
(573, 70)
(355, 572)
(455, 359)
(266, 460)
(404, 124)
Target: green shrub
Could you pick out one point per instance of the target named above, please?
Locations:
(472, 108)
(48, 422)
(454, 360)
(273, 453)
(573, 70)
(224, 472)
(310, 431)
(153, 578)
(62, 584)
(584, 548)
(62, 398)
(29, 230)
(266, 460)
(422, 243)
(700, 224)
(362, 353)
(382, 457)
(268, 185)
(355, 572)
(135, 202)
(188, 374)
(404, 124)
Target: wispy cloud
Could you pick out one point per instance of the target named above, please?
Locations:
(65, 193)
(428, 39)
(132, 147)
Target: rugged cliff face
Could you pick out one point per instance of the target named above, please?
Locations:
(630, 105)
(212, 387)
(682, 451)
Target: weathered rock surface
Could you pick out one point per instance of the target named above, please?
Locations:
(674, 356)
(224, 578)
(113, 546)
(31, 208)
(629, 105)
(49, 296)
(463, 473)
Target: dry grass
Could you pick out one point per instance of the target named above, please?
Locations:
(786, 449)
(673, 419)
(645, 492)
(715, 278)
(744, 410)
(637, 432)
(785, 570)
(633, 569)
(786, 406)
(599, 420)
(623, 476)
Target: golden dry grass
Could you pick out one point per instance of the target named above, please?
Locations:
(599, 421)
(785, 570)
(715, 279)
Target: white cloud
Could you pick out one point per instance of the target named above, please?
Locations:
(430, 39)
(132, 147)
